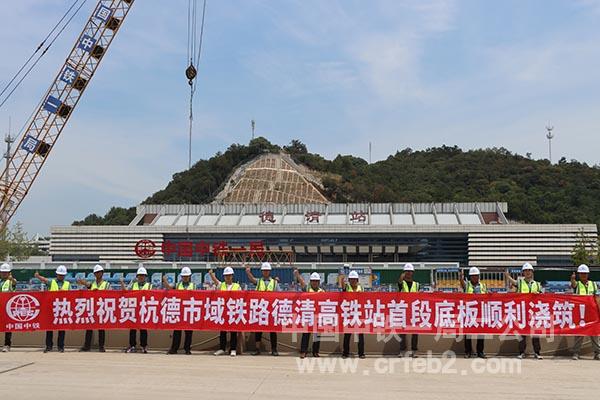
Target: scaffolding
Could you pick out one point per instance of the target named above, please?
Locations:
(237, 257)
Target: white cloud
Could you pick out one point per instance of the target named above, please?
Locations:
(378, 48)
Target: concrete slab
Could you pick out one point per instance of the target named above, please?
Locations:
(30, 374)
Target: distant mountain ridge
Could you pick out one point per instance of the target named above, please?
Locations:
(536, 191)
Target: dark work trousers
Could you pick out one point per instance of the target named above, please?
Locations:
(88, 339)
(187, 342)
(534, 340)
(414, 342)
(232, 340)
(361, 344)
(272, 335)
(8, 339)
(469, 347)
(143, 338)
(316, 344)
(50, 339)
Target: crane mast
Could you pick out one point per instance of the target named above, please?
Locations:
(58, 104)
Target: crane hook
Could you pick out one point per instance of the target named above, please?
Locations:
(191, 73)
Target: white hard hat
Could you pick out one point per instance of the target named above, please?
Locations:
(98, 268)
(61, 270)
(186, 271)
(583, 269)
(141, 271)
(409, 267)
(315, 276)
(5, 267)
(526, 267)
(353, 275)
(228, 271)
(346, 265)
(473, 271)
(265, 266)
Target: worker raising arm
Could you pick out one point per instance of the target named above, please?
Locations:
(526, 284)
(228, 284)
(584, 286)
(54, 285)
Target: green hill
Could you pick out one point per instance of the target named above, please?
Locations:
(537, 191)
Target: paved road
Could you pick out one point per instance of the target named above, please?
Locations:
(30, 374)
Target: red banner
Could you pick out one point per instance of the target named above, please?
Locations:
(424, 313)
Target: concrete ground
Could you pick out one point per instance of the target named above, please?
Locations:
(27, 373)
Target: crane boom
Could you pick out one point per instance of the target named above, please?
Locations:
(58, 104)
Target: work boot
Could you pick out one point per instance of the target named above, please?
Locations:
(61, 349)
(274, 353)
(188, 352)
(172, 351)
(102, 350)
(481, 355)
(84, 349)
(47, 349)
(316, 355)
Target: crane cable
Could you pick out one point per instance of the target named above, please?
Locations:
(194, 59)
(194, 52)
(39, 47)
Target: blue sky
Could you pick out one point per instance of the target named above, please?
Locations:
(335, 74)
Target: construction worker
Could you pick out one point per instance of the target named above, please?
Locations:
(54, 285)
(97, 284)
(140, 283)
(265, 284)
(228, 284)
(313, 287)
(184, 284)
(352, 286)
(473, 286)
(7, 284)
(585, 287)
(406, 284)
(526, 284)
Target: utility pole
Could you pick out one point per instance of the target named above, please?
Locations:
(253, 125)
(369, 152)
(549, 136)
(9, 141)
